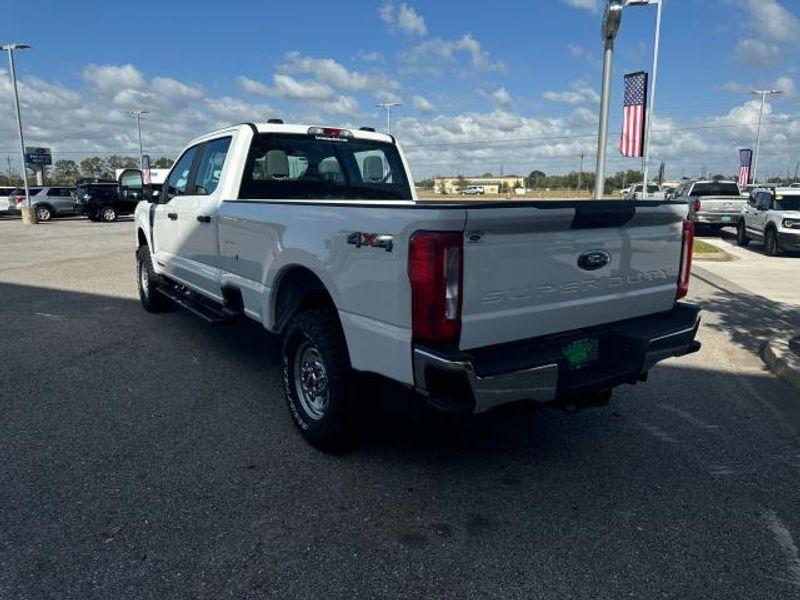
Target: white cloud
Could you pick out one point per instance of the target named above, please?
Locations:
(501, 96)
(295, 89)
(773, 20)
(387, 96)
(576, 50)
(175, 90)
(583, 4)
(422, 104)
(251, 86)
(410, 22)
(110, 79)
(432, 55)
(403, 18)
(784, 84)
(580, 93)
(371, 57)
(756, 52)
(325, 69)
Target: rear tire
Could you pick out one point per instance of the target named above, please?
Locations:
(147, 282)
(108, 214)
(741, 235)
(44, 213)
(317, 379)
(771, 245)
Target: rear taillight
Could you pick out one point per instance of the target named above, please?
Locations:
(697, 206)
(19, 199)
(435, 271)
(685, 272)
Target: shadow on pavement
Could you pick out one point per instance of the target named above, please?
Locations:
(749, 319)
(151, 456)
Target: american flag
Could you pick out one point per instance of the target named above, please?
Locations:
(631, 142)
(745, 164)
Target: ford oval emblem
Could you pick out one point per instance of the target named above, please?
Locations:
(594, 260)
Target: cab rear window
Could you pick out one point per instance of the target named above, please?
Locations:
(715, 189)
(313, 167)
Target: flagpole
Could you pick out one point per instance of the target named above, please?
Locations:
(651, 116)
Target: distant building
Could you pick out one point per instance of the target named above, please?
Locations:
(490, 185)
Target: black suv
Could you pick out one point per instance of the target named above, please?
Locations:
(102, 201)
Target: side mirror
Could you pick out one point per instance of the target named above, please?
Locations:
(131, 185)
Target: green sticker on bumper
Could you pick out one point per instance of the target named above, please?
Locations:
(580, 352)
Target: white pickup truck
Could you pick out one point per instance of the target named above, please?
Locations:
(317, 234)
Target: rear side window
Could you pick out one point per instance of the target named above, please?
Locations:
(308, 167)
(210, 169)
(787, 203)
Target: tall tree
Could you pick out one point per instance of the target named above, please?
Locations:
(94, 166)
(162, 163)
(65, 171)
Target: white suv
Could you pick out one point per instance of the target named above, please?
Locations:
(772, 215)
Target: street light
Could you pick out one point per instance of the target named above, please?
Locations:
(763, 94)
(138, 115)
(27, 217)
(612, 19)
(653, 79)
(388, 106)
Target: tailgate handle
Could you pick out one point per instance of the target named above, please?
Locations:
(172, 216)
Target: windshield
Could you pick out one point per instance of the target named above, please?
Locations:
(715, 189)
(306, 167)
(787, 203)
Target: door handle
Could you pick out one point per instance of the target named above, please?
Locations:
(173, 216)
(204, 218)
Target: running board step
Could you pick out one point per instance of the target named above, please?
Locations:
(209, 311)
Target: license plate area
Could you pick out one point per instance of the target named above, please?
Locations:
(725, 219)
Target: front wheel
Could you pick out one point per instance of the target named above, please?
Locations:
(147, 282)
(741, 235)
(771, 244)
(317, 379)
(108, 214)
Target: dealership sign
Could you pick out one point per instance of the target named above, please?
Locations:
(38, 156)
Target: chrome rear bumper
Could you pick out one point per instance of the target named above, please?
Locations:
(541, 374)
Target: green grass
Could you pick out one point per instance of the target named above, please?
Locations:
(701, 247)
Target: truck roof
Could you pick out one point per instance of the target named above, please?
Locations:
(301, 129)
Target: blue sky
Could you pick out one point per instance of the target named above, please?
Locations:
(470, 78)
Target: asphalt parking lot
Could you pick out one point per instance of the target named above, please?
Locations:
(150, 456)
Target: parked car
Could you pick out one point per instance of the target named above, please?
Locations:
(473, 190)
(713, 204)
(359, 276)
(6, 200)
(101, 201)
(51, 202)
(772, 215)
(16, 198)
(654, 192)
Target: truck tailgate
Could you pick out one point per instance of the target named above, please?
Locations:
(522, 277)
(722, 204)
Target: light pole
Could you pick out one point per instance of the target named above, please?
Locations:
(388, 106)
(29, 216)
(138, 115)
(763, 94)
(611, 22)
(653, 79)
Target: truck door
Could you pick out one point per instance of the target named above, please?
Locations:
(197, 261)
(166, 227)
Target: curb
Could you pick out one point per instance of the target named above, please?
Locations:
(782, 360)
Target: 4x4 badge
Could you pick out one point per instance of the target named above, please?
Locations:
(373, 240)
